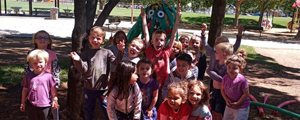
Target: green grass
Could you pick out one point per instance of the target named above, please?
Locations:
(254, 57)
(187, 17)
(13, 74)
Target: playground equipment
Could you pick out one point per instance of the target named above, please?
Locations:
(294, 22)
(276, 109)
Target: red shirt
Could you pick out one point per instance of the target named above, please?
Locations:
(165, 112)
(161, 62)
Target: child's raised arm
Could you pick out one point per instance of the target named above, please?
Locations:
(175, 28)
(145, 27)
(238, 38)
(108, 43)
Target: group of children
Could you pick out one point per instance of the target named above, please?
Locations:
(128, 87)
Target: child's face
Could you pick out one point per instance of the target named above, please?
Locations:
(182, 67)
(175, 49)
(133, 78)
(158, 41)
(38, 65)
(145, 70)
(42, 40)
(195, 95)
(96, 40)
(185, 42)
(174, 98)
(219, 54)
(195, 43)
(120, 37)
(135, 48)
(233, 70)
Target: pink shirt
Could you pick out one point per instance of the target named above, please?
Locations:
(39, 88)
(234, 89)
(161, 62)
(52, 57)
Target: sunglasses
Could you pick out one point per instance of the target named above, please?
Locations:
(42, 38)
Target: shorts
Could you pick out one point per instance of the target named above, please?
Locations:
(217, 102)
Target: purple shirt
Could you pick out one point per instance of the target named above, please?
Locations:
(39, 88)
(147, 91)
(234, 89)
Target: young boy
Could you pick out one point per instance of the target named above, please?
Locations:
(94, 65)
(136, 47)
(182, 72)
(37, 85)
(157, 53)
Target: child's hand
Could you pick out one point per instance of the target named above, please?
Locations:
(149, 113)
(204, 27)
(75, 56)
(121, 45)
(55, 104)
(240, 30)
(228, 102)
(22, 107)
(233, 104)
(179, 11)
(143, 14)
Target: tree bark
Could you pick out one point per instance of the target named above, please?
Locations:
(217, 20)
(106, 11)
(237, 12)
(75, 83)
(91, 6)
(261, 12)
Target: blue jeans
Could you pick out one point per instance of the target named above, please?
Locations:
(90, 100)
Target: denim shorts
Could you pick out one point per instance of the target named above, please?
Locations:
(217, 102)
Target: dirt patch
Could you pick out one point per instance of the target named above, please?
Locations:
(279, 86)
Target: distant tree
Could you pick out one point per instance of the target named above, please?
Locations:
(238, 5)
(84, 18)
(217, 20)
(267, 5)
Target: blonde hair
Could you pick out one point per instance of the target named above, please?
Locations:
(238, 59)
(159, 32)
(181, 87)
(98, 30)
(178, 44)
(140, 41)
(221, 39)
(205, 94)
(225, 47)
(37, 54)
(35, 35)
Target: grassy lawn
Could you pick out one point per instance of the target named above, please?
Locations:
(187, 17)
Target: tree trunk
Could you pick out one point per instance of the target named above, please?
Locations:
(237, 12)
(297, 37)
(75, 83)
(261, 13)
(91, 6)
(217, 20)
(106, 11)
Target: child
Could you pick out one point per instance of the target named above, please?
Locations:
(235, 88)
(94, 65)
(182, 72)
(37, 87)
(157, 53)
(42, 40)
(176, 50)
(184, 41)
(124, 96)
(119, 37)
(136, 47)
(197, 46)
(175, 107)
(149, 88)
(198, 97)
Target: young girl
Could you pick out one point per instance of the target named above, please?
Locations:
(175, 107)
(124, 96)
(176, 50)
(198, 97)
(37, 87)
(42, 40)
(184, 41)
(149, 88)
(119, 37)
(235, 88)
(197, 46)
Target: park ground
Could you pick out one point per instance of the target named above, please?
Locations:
(280, 85)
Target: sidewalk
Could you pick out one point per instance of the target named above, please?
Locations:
(16, 26)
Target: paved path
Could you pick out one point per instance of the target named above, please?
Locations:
(26, 26)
